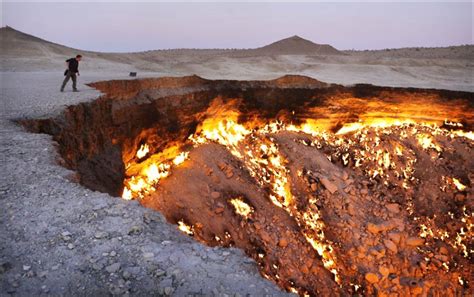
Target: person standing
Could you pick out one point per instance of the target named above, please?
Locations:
(72, 72)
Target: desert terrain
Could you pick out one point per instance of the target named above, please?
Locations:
(62, 235)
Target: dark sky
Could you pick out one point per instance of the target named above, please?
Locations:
(119, 27)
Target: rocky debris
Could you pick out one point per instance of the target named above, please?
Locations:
(113, 268)
(100, 235)
(393, 207)
(283, 242)
(390, 245)
(329, 185)
(215, 195)
(372, 278)
(381, 227)
(414, 241)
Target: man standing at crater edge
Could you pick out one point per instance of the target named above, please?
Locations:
(71, 72)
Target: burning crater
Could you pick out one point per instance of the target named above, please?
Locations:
(331, 189)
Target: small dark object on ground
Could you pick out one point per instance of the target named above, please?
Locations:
(133, 74)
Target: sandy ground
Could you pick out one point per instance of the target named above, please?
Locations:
(60, 238)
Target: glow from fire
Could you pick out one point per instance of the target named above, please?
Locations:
(143, 151)
(241, 207)
(185, 228)
(458, 184)
(383, 149)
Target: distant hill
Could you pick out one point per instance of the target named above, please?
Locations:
(296, 45)
(23, 52)
(17, 43)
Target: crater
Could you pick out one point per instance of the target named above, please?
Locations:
(331, 189)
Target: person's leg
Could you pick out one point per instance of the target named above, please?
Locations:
(66, 79)
(74, 81)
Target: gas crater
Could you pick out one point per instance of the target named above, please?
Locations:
(332, 190)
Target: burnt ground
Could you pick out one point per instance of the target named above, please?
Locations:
(60, 238)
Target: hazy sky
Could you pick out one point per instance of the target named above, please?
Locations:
(119, 27)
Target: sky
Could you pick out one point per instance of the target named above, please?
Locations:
(114, 26)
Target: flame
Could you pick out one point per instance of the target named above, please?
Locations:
(185, 228)
(241, 207)
(458, 184)
(382, 148)
(181, 158)
(143, 151)
(127, 194)
(427, 142)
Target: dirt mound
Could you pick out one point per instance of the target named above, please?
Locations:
(296, 45)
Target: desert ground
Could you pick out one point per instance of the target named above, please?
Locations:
(60, 238)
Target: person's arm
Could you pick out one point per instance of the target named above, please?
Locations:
(67, 64)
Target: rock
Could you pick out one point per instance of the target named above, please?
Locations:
(443, 250)
(384, 271)
(395, 237)
(215, 195)
(330, 186)
(314, 187)
(100, 235)
(169, 291)
(215, 179)
(65, 233)
(416, 290)
(381, 227)
(219, 210)
(113, 268)
(26, 267)
(393, 207)
(390, 245)
(351, 210)
(373, 228)
(126, 274)
(148, 255)
(283, 243)
(459, 197)
(229, 173)
(372, 278)
(414, 241)
(159, 272)
(113, 253)
(135, 230)
(70, 246)
(43, 273)
(345, 175)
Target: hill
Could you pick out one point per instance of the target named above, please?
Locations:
(296, 45)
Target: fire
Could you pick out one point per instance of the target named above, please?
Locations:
(241, 207)
(181, 158)
(384, 149)
(427, 142)
(143, 151)
(185, 228)
(458, 184)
